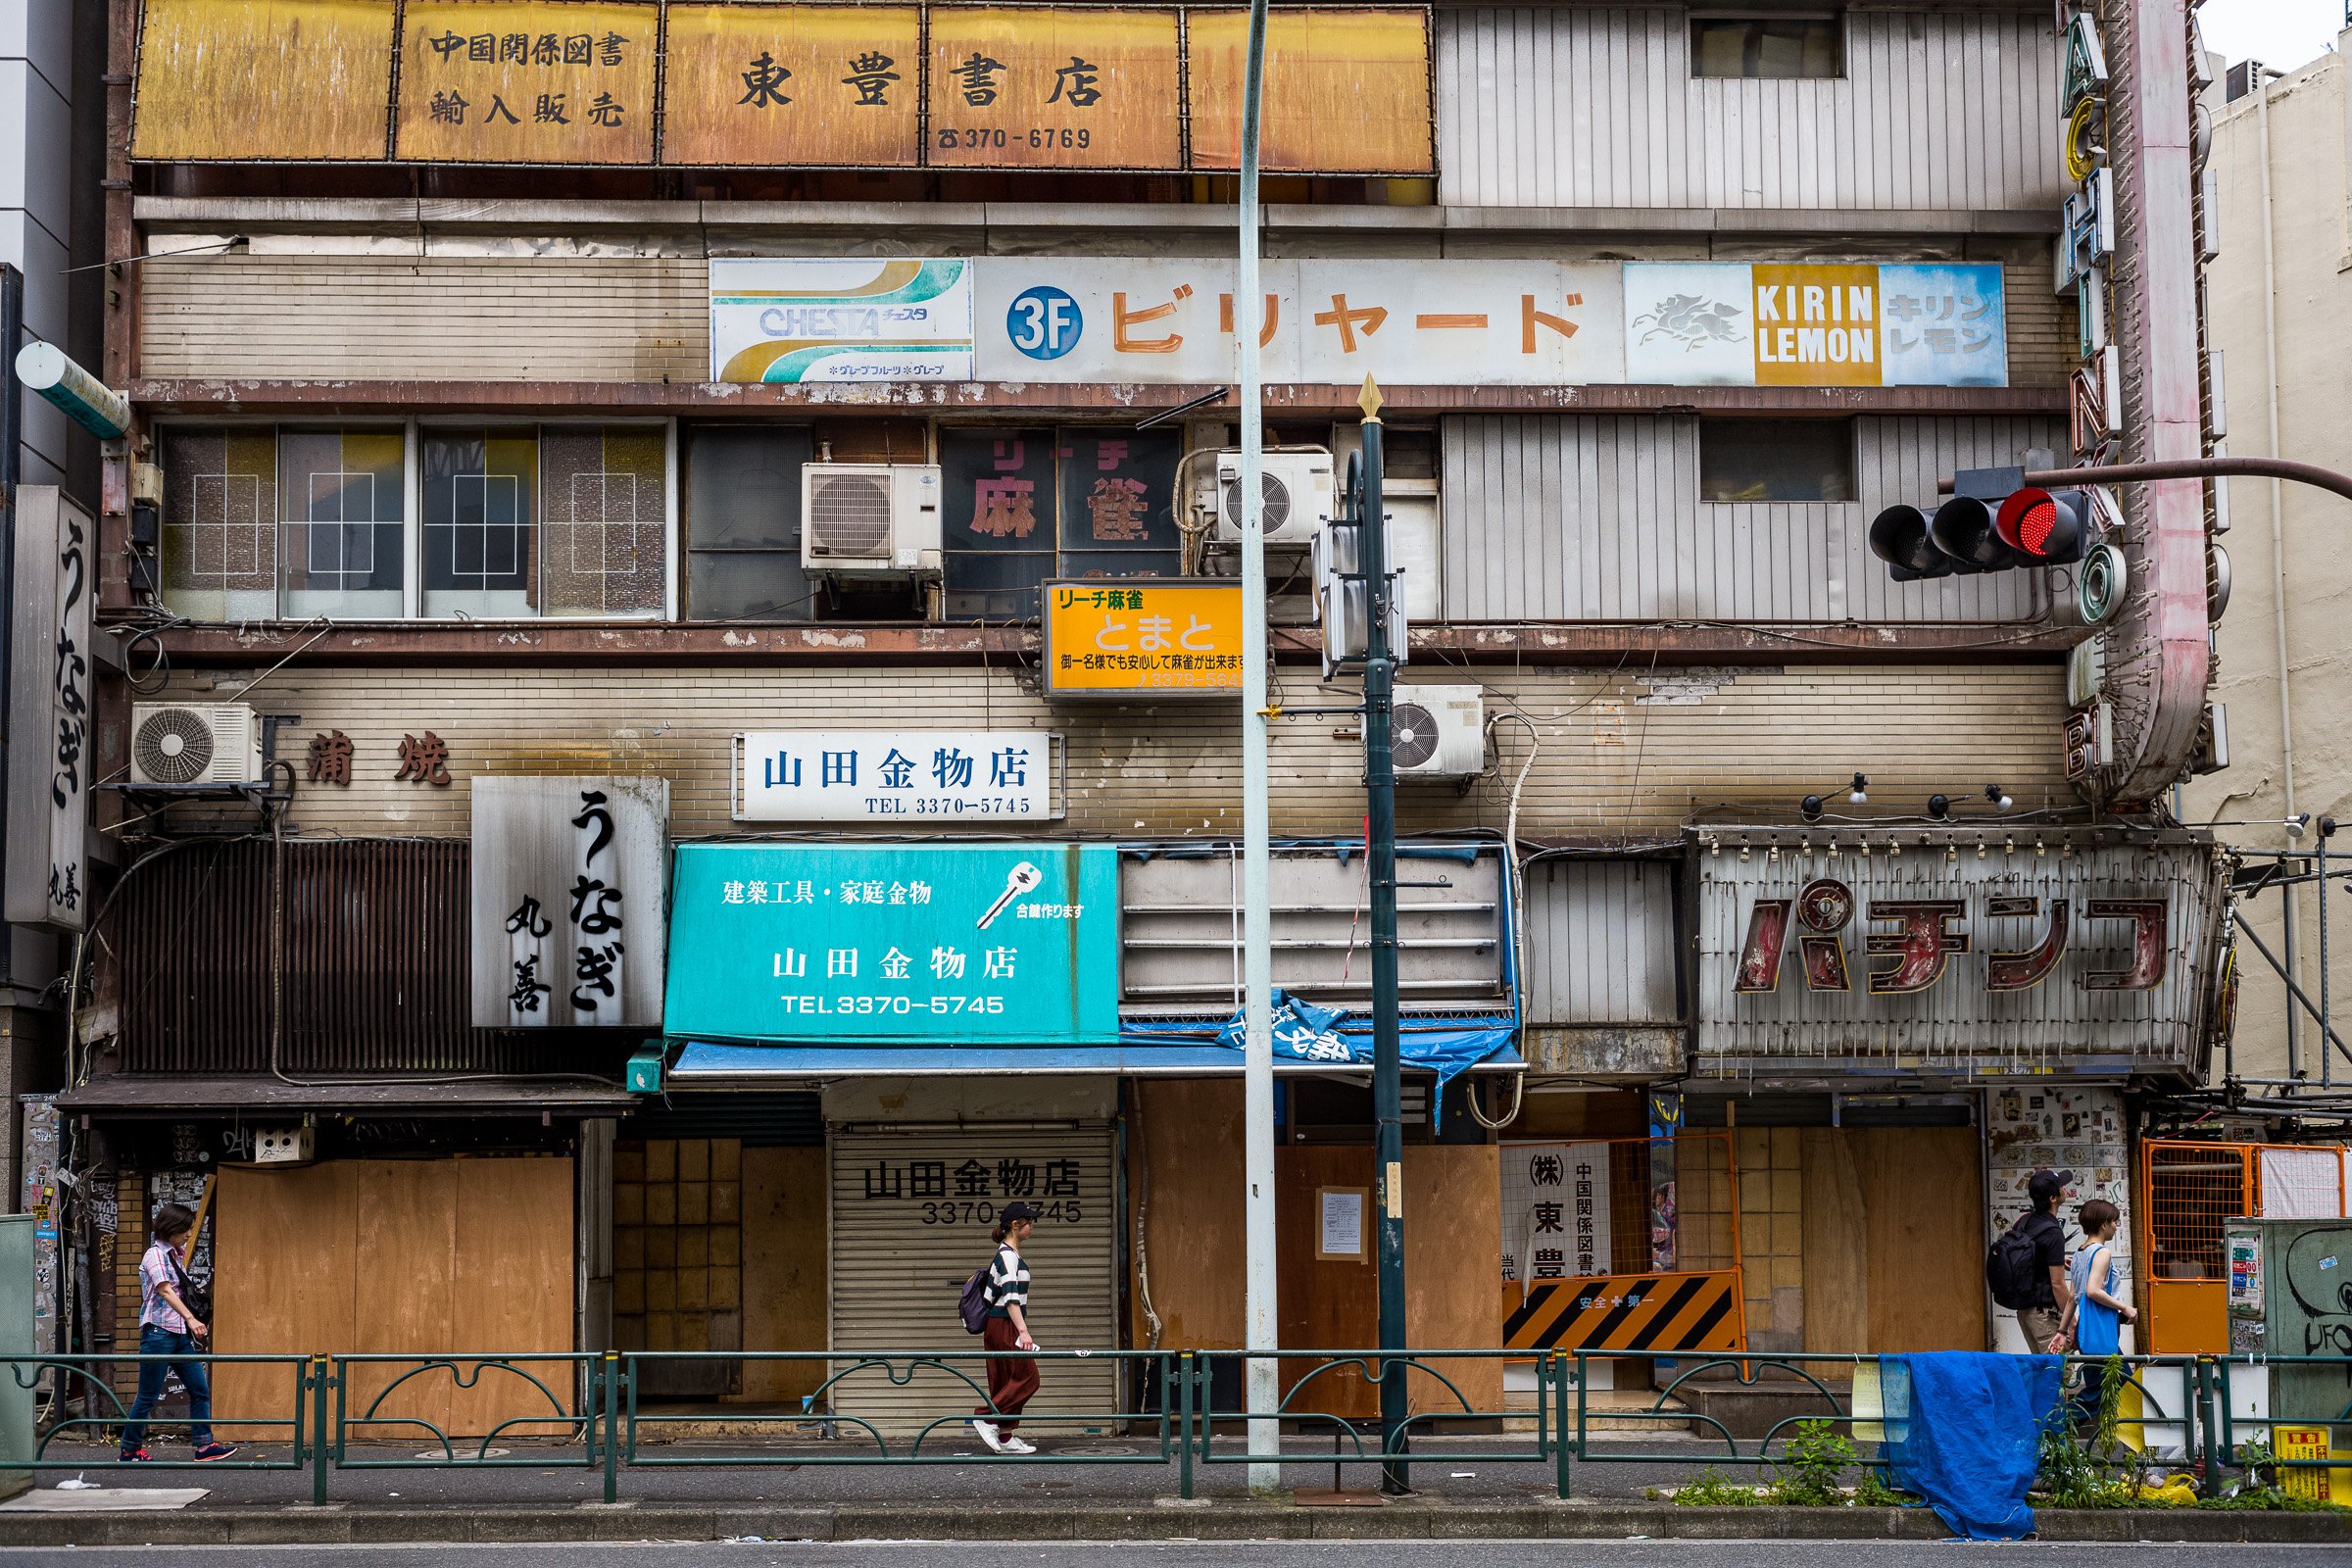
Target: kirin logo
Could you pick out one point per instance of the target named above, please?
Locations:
(1925, 935)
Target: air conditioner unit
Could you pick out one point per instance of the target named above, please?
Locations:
(1298, 491)
(869, 519)
(195, 743)
(1440, 732)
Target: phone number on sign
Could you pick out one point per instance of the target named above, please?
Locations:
(990, 138)
(893, 1006)
(1065, 1212)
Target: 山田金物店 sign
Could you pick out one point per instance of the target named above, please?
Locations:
(907, 943)
(885, 775)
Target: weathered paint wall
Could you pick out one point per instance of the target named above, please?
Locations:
(2308, 132)
(1591, 105)
(1627, 751)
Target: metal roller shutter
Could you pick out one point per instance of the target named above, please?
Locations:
(910, 1218)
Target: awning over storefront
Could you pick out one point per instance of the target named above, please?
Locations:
(705, 1065)
(163, 1095)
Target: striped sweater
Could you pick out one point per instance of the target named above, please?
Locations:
(1007, 1283)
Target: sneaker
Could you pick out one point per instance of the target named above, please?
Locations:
(134, 1456)
(1019, 1445)
(216, 1450)
(988, 1434)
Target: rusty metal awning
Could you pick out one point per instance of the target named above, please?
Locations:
(165, 1095)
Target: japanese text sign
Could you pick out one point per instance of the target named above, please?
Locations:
(1129, 638)
(1989, 948)
(1555, 1211)
(884, 775)
(1724, 324)
(1050, 87)
(568, 902)
(262, 78)
(49, 713)
(913, 944)
(1417, 323)
(804, 85)
(841, 321)
(527, 81)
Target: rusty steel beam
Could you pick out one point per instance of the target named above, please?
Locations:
(607, 643)
(222, 395)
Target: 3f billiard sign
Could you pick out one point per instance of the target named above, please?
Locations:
(1909, 943)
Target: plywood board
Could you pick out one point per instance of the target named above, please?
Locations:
(1324, 1305)
(1190, 1131)
(291, 79)
(272, 1296)
(1346, 92)
(1452, 1256)
(1925, 1190)
(403, 1225)
(784, 1269)
(512, 1240)
(1837, 1273)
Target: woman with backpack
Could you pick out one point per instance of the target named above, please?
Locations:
(1012, 1379)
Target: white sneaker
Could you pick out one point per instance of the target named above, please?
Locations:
(988, 1434)
(1018, 1446)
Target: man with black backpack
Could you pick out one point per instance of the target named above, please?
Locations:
(2026, 1266)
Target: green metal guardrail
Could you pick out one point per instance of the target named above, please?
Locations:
(591, 1403)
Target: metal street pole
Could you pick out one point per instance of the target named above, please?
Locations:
(1380, 798)
(1261, 1329)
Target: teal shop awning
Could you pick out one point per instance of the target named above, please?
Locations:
(709, 1064)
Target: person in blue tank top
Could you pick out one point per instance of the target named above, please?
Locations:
(2096, 1317)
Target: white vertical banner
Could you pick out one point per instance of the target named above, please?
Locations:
(570, 901)
(1555, 1211)
(49, 708)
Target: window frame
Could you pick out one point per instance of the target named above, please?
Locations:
(1848, 427)
(1835, 17)
(413, 428)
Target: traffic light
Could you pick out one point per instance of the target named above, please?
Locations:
(1994, 522)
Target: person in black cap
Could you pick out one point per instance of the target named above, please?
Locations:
(1012, 1379)
(2043, 1318)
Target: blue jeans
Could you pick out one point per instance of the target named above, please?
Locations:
(157, 1341)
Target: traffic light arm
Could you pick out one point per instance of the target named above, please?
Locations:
(2310, 474)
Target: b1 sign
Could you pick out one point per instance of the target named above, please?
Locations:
(810, 775)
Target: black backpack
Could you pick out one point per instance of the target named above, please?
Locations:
(972, 1305)
(2010, 1268)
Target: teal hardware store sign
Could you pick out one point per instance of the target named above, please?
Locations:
(895, 942)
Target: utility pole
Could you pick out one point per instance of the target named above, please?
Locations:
(1261, 1328)
(1380, 801)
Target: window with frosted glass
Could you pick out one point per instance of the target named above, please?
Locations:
(742, 507)
(481, 495)
(221, 524)
(340, 496)
(603, 500)
(1767, 48)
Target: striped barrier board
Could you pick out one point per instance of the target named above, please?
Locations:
(1663, 1312)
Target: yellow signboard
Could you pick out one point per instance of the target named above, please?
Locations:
(528, 81)
(793, 86)
(1055, 88)
(1346, 92)
(1142, 637)
(262, 78)
(1816, 324)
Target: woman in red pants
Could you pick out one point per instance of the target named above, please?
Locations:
(1012, 1379)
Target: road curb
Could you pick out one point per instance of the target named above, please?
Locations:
(1223, 1519)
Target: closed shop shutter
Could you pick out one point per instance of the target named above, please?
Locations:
(912, 1216)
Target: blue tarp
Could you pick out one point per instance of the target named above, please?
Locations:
(1305, 1033)
(1964, 1430)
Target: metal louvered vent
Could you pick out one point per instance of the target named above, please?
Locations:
(172, 745)
(1277, 497)
(848, 516)
(1415, 735)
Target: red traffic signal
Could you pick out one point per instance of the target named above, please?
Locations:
(2044, 525)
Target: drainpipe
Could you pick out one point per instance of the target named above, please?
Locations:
(2287, 711)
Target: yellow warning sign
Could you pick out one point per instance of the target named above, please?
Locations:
(1661, 1312)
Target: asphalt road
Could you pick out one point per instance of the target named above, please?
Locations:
(1203, 1555)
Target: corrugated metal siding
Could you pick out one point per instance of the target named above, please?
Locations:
(2057, 1024)
(457, 318)
(896, 1277)
(375, 963)
(1599, 945)
(1597, 518)
(1587, 106)
(1624, 751)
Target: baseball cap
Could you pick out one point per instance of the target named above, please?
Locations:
(1013, 1211)
(2044, 1185)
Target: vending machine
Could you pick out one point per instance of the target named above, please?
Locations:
(2289, 1295)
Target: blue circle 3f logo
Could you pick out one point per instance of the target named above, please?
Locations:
(1043, 323)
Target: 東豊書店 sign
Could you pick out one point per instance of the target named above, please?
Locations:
(2003, 949)
(907, 943)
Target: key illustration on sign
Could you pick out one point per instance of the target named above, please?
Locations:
(1024, 878)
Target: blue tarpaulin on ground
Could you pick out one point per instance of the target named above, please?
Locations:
(1304, 1032)
(1964, 1430)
